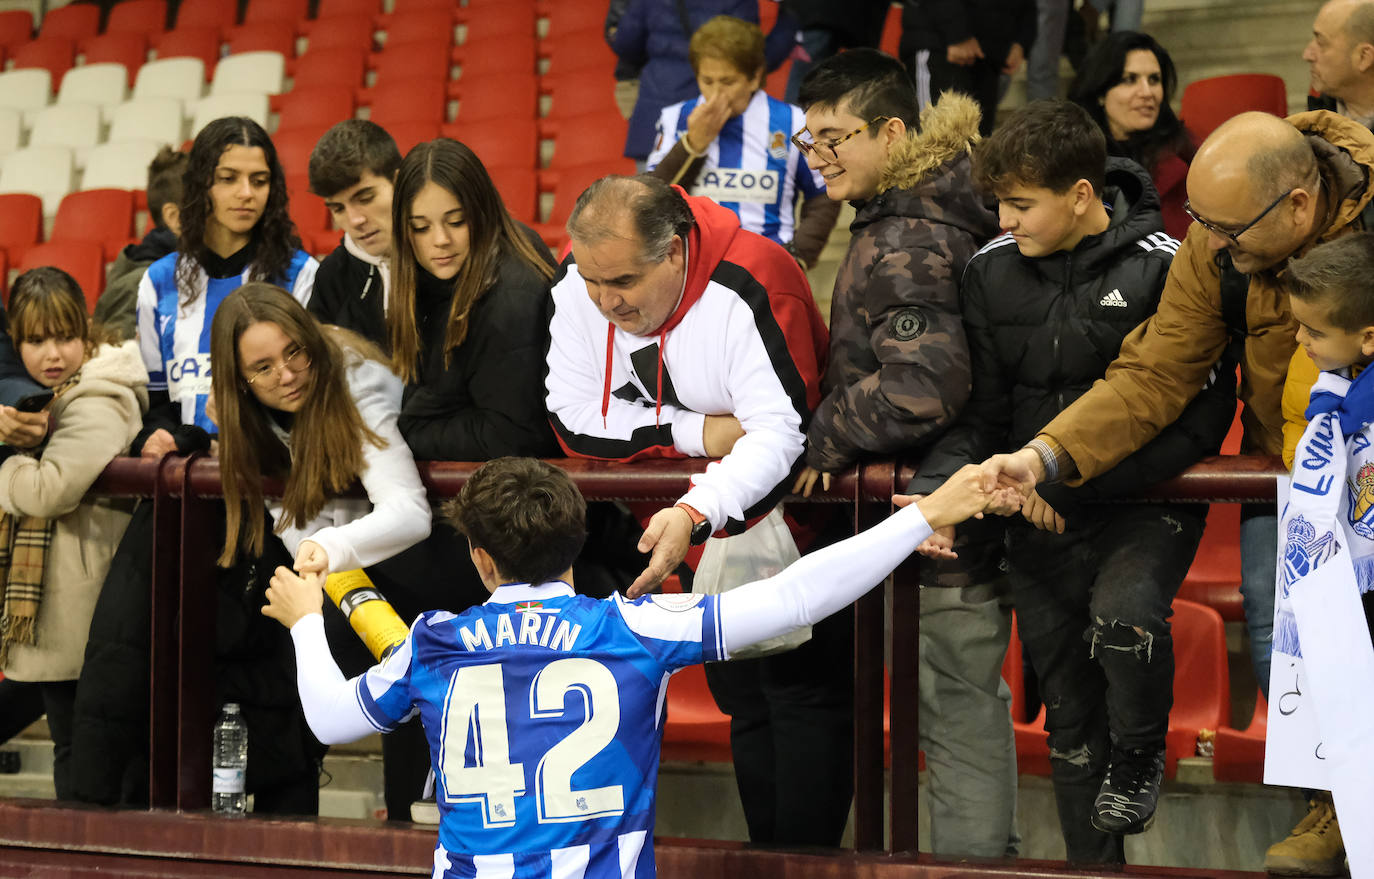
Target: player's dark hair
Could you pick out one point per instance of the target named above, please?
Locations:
(1045, 144)
(1336, 275)
(164, 182)
(527, 514)
(348, 150)
(870, 83)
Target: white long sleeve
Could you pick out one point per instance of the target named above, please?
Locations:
(351, 534)
(821, 583)
(330, 701)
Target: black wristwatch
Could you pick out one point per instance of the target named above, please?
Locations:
(701, 528)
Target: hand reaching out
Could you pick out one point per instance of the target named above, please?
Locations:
(290, 597)
(311, 558)
(1041, 514)
(23, 430)
(939, 545)
(806, 481)
(668, 536)
(964, 54)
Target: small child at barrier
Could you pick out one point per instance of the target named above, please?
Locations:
(543, 709)
(55, 543)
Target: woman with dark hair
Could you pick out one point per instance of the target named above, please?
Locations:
(467, 328)
(1126, 83)
(316, 407)
(234, 228)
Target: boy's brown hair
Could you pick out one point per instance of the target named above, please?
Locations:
(527, 514)
(1336, 274)
(1045, 144)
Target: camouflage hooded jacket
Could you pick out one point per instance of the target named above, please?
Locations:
(899, 362)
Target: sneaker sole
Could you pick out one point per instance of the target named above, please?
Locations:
(1132, 829)
(1295, 867)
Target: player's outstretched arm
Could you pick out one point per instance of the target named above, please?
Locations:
(328, 699)
(821, 583)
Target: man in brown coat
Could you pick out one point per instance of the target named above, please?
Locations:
(1261, 190)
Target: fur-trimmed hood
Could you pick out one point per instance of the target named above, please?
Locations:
(927, 175)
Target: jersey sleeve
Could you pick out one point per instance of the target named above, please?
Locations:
(335, 707)
(149, 341)
(383, 691)
(677, 630)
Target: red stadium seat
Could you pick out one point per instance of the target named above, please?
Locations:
(425, 24)
(345, 32)
(482, 98)
(313, 108)
(290, 12)
(347, 8)
(575, 148)
(192, 42)
(294, 148)
(509, 144)
(567, 17)
(695, 728)
(491, 59)
(16, 28)
(491, 22)
(1214, 578)
(1202, 680)
(21, 224)
(207, 13)
(83, 260)
(129, 49)
(1209, 102)
(577, 50)
(518, 191)
(403, 8)
(406, 101)
(105, 216)
(571, 182)
(579, 94)
(54, 54)
(428, 60)
(75, 22)
(265, 36)
(142, 17)
(327, 68)
(310, 216)
(408, 134)
(1238, 755)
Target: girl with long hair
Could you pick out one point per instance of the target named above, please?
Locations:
(235, 228)
(1126, 83)
(467, 328)
(64, 541)
(316, 408)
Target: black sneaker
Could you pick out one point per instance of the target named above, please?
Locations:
(1130, 792)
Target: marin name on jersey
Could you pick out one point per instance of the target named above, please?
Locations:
(536, 626)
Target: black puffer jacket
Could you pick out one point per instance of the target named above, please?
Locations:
(1042, 330)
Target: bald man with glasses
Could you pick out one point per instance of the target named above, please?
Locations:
(1260, 191)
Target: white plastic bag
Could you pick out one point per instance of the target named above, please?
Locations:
(760, 552)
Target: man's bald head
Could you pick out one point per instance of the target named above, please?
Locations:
(1354, 19)
(620, 207)
(1257, 179)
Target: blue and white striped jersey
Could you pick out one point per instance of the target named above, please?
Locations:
(751, 167)
(174, 337)
(544, 713)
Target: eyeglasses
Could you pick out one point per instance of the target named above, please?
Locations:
(1233, 236)
(826, 149)
(268, 376)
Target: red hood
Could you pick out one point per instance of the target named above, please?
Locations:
(707, 244)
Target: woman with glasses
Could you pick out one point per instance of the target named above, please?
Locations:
(315, 407)
(730, 143)
(1126, 84)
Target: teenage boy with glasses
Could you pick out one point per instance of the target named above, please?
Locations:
(898, 375)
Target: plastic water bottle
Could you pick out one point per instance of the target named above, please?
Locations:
(228, 795)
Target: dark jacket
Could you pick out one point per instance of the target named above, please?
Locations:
(936, 24)
(899, 367)
(854, 23)
(650, 36)
(488, 400)
(117, 307)
(349, 293)
(1043, 330)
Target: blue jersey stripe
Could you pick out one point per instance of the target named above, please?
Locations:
(779, 119)
(730, 144)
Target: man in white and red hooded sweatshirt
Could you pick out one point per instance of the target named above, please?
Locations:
(674, 333)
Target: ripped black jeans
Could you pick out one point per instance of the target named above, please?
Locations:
(1080, 597)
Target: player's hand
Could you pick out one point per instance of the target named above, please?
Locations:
(23, 430)
(290, 597)
(964, 54)
(706, 120)
(963, 496)
(940, 543)
(1041, 514)
(1020, 469)
(311, 558)
(159, 444)
(719, 434)
(806, 481)
(668, 536)
(1015, 58)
